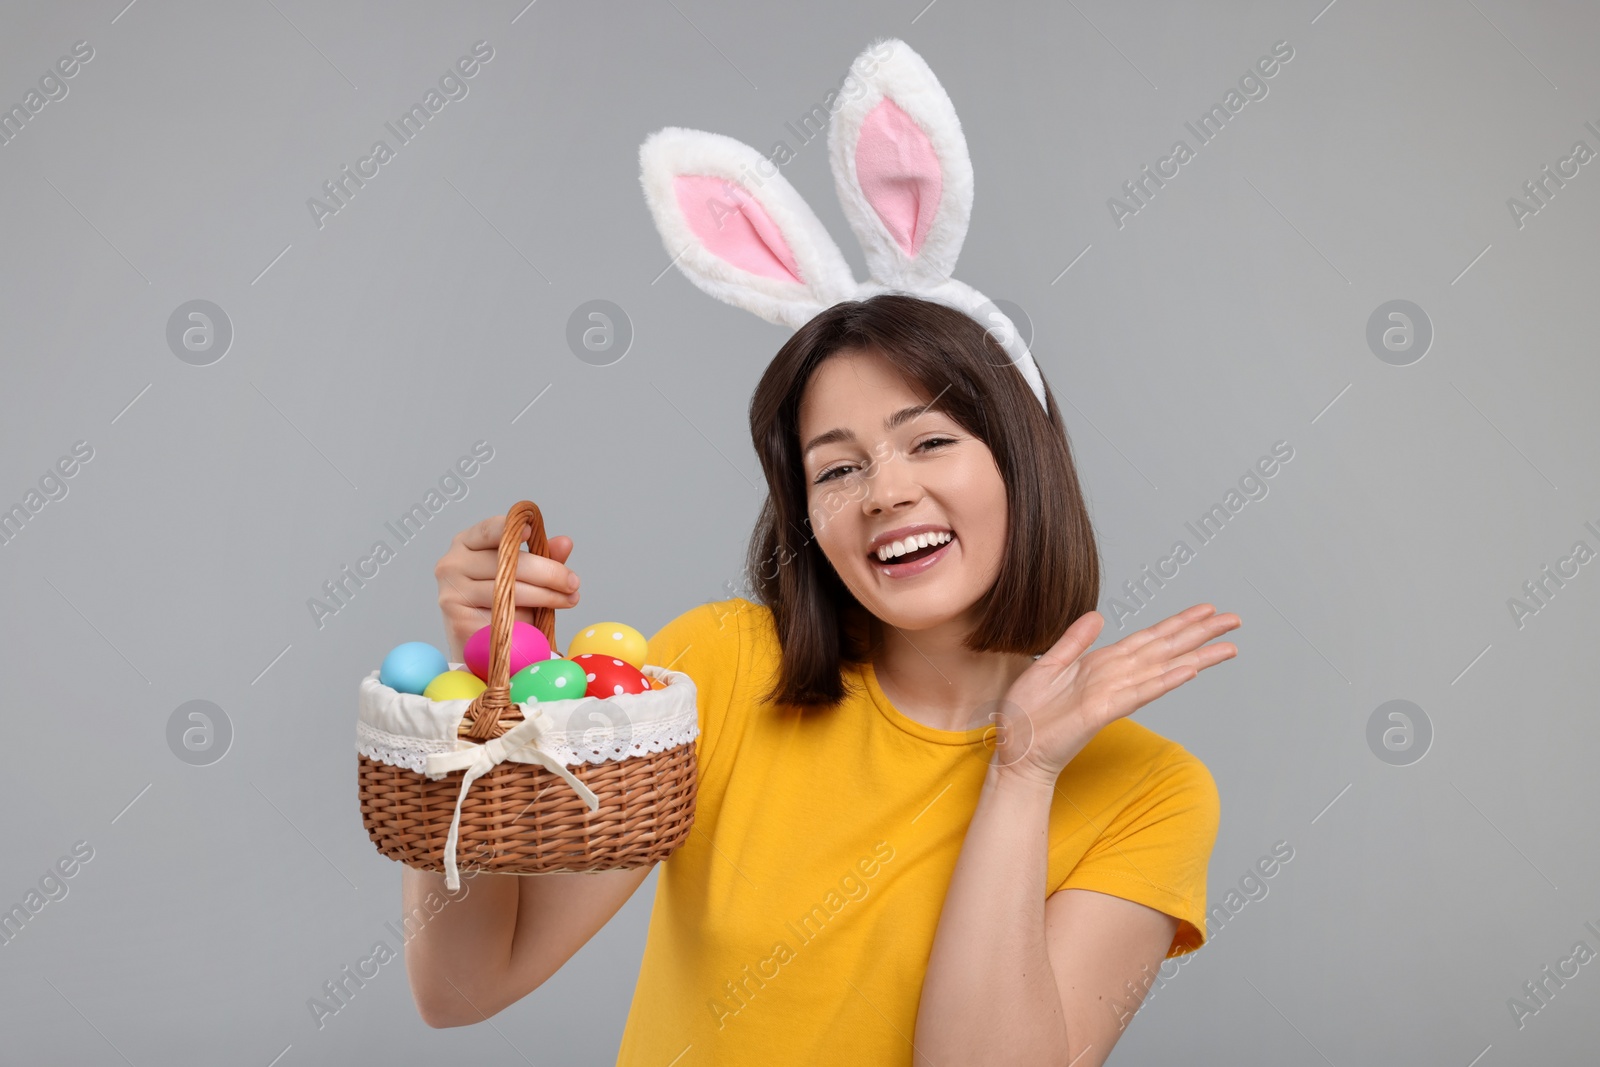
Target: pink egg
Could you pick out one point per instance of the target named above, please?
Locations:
(528, 645)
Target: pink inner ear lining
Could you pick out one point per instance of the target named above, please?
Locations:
(734, 227)
(899, 174)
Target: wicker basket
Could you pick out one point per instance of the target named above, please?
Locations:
(531, 788)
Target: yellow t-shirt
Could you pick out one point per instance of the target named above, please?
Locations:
(794, 925)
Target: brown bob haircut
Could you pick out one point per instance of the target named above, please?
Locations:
(1050, 573)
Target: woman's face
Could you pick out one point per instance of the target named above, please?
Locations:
(887, 461)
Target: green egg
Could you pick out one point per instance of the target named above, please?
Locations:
(550, 679)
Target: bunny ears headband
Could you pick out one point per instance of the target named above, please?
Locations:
(738, 229)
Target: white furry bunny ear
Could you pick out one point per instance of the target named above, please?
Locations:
(904, 179)
(747, 239)
(901, 168)
(736, 227)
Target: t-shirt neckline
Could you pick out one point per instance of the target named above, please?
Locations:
(911, 726)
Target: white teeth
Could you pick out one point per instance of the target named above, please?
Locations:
(911, 544)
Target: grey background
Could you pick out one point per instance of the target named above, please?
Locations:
(369, 355)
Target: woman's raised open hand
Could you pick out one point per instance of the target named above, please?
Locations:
(1058, 704)
(466, 580)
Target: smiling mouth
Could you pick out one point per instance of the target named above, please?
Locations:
(909, 547)
(913, 562)
(912, 556)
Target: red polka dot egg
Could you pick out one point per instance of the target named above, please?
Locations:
(609, 676)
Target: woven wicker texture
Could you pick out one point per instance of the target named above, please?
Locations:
(520, 818)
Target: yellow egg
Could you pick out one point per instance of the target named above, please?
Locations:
(454, 685)
(610, 639)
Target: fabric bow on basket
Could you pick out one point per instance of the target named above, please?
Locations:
(520, 744)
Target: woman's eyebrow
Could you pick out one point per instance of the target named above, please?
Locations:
(840, 433)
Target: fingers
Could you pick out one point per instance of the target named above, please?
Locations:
(467, 570)
(1174, 674)
(1077, 637)
(545, 573)
(1168, 675)
(1166, 648)
(478, 594)
(1135, 641)
(1165, 663)
(1206, 656)
(485, 534)
(479, 559)
(1162, 657)
(1160, 686)
(467, 595)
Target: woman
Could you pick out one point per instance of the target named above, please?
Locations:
(926, 830)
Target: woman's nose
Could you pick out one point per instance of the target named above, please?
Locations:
(890, 484)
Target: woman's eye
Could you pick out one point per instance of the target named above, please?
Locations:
(931, 442)
(828, 474)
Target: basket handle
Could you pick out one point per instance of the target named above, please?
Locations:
(488, 706)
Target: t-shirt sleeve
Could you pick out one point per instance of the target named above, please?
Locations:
(706, 643)
(1157, 850)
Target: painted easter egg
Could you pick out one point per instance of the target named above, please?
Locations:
(455, 685)
(551, 679)
(609, 676)
(408, 668)
(528, 645)
(610, 639)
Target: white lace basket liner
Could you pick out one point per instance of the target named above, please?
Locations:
(411, 731)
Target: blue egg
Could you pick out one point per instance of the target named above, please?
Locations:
(408, 668)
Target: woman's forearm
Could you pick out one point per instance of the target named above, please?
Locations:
(459, 945)
(990, 994)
